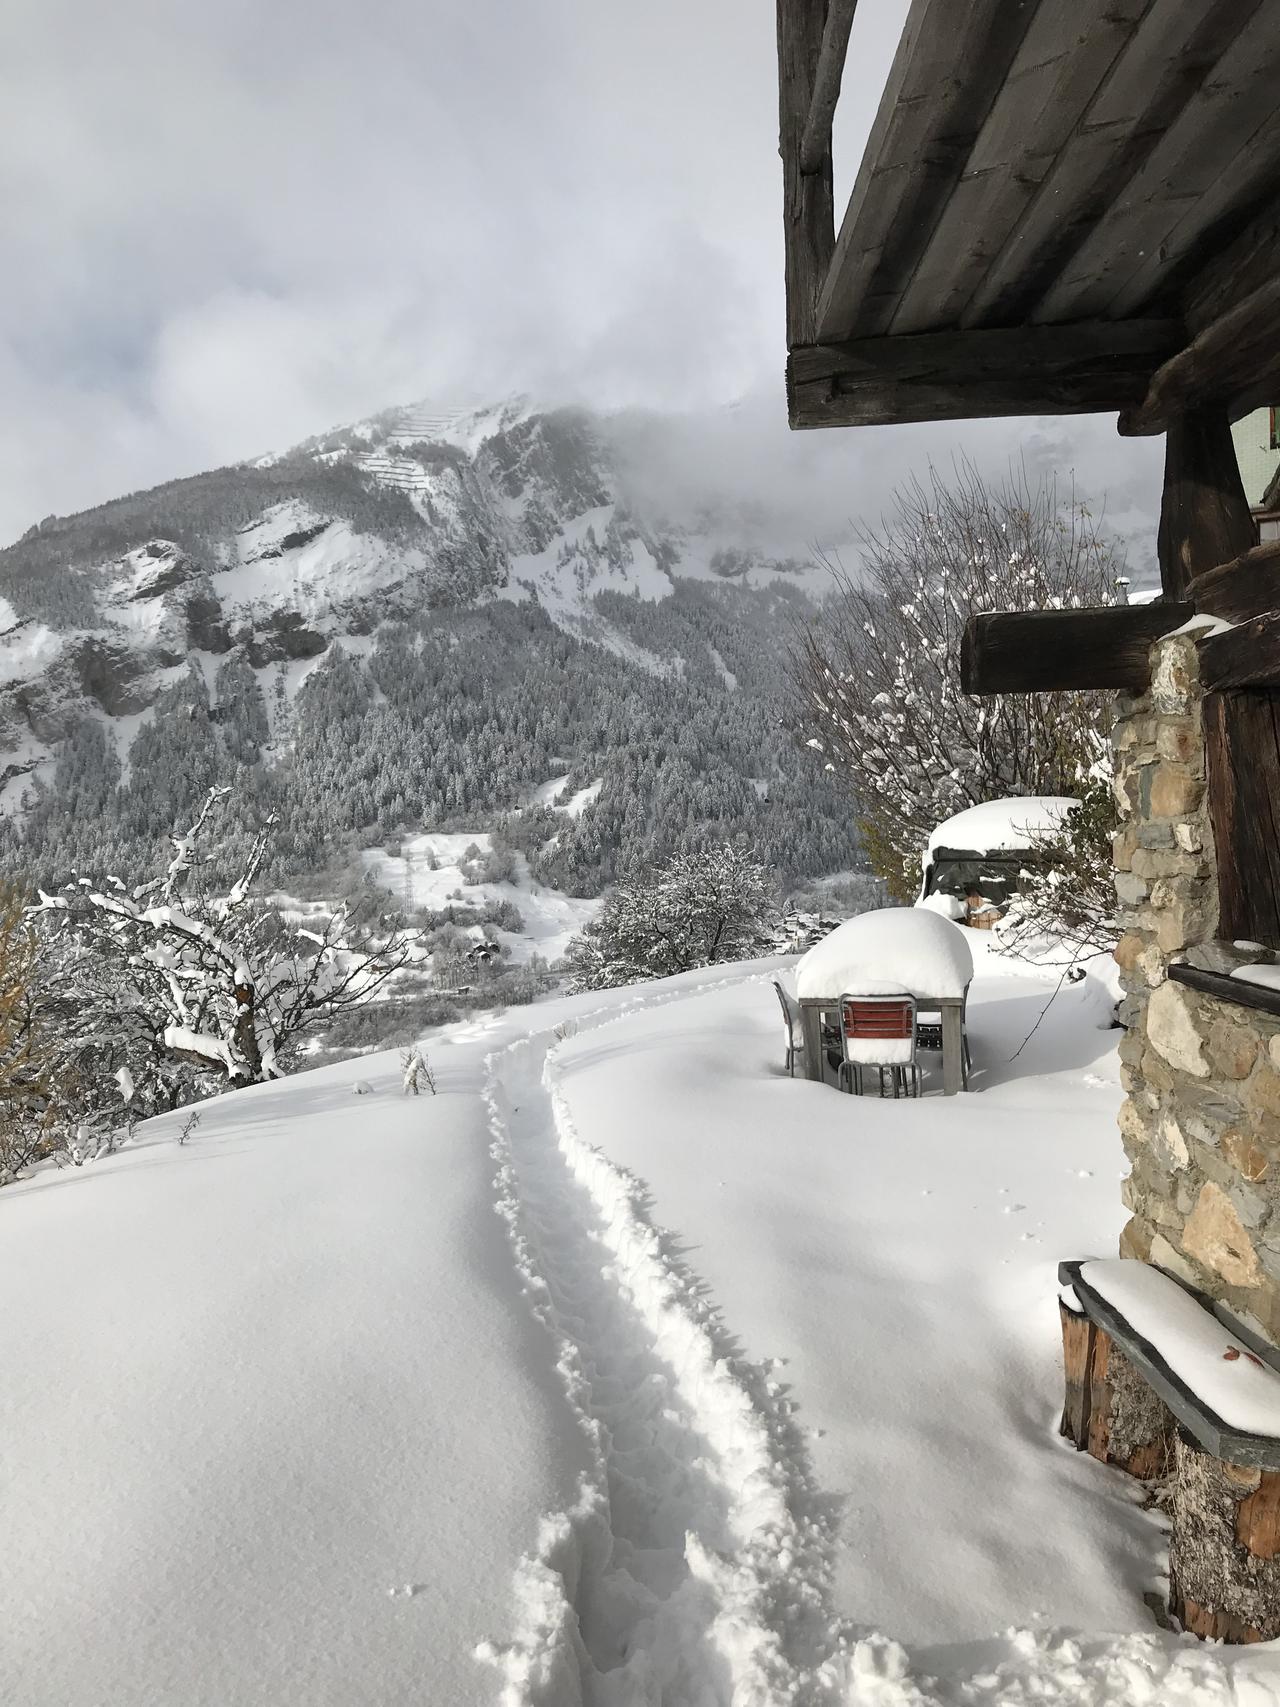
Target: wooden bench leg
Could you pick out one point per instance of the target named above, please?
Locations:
(1224, 1553)
(1110, 1410)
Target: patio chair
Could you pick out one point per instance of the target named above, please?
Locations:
(795, 1031)
(879, 1032)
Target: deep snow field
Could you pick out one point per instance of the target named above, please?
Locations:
(624, 1371)
(428, 872)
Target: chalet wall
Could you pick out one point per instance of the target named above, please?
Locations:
(1201, 1121)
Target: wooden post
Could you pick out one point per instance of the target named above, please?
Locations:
(1110, 1411)
(1204, 514)
(1224, 1552)
(814, 1059)
(952, 1047)
(808, 206)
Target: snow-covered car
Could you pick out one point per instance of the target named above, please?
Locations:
(989, 847)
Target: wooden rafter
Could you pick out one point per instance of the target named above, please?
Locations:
(815, 139)
(1037, 165)
(808, 208)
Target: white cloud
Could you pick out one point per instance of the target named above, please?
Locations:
(231, 225)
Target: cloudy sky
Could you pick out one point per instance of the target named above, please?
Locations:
(229, 225)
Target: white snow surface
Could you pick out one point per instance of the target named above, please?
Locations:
(889, 951)
(1195, 1345)
(747, 1394)
(427, 872)
(1004, 826)
(1266, 976)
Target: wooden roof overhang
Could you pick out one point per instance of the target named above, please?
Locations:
(1062, 207)
(1067, 206)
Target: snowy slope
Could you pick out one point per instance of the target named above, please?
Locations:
(295, 1416)
(428, 872)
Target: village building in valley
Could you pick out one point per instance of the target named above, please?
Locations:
(1066, 209)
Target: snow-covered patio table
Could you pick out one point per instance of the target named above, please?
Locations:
(893, 951)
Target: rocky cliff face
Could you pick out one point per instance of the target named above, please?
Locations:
(386, 520)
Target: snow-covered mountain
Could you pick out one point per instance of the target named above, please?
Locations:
(418, 509)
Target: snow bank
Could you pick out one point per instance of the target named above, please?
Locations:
(1004, 826)
(891, 951)
(1195, 1345)
(1267, 977)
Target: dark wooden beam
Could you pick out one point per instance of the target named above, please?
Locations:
(808, 209)
(1242, 765)
(1243, 657)
(1231, 362)
(1054, 651)
(1028, 370)
(1226, 988)
(1247, 586)
(1204, 514)
(952, 59)
(815, 141)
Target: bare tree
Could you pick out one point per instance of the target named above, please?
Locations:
(216, 983)
(27, 1079)
(876, 678)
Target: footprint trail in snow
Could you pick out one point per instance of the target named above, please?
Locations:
(694, 1568)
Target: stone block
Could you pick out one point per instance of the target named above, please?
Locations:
(1167, 1256)
(1156, 835)
(1136, 1128)
(1175, 672)
(1245, 1154)
(1131, 891)
(1178, 739)
(1171, 791)
(1172, 1143)
(1262, 1097)
(1172, 1033)
(1188, 836)
(1135, 1239)
(1158, 862)
(1217, 1239)
(1156, 1072)
(1128, 949)
(1231, 1048)
(1123, 845)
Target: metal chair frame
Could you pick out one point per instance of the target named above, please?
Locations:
(795, 1031)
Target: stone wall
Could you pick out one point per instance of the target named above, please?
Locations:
(1201, 1120)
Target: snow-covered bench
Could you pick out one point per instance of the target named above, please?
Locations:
(1159, 1386)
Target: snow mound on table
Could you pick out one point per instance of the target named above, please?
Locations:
(1245, 1394)
(1004, 826)
(891, 951)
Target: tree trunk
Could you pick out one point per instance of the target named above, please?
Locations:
(1110, 1410)
(1224, 1572)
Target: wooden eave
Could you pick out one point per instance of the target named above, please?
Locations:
(1060, 208)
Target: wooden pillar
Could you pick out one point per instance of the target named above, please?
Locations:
(808, 204)
(1110, 1410)
(1204, 514)
(1224, 1552)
